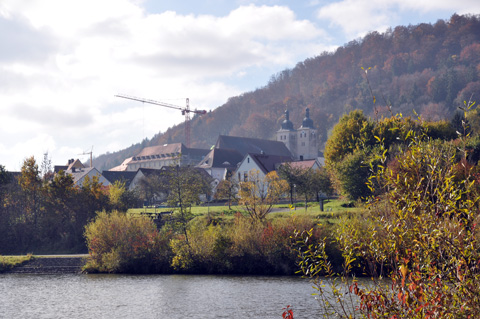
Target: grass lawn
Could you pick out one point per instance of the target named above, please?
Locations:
(333, 210)
(8, 262)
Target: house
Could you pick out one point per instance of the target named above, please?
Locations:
(160, 156)
(219, 162)
(164, 174)
(72, 164)
(79, 172)
(261, 162)
(301, 142)
(229, 151)
(79, 175)
(140, 174)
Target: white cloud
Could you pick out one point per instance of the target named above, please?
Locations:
(357, 17)
(36, 146)
(64, 60)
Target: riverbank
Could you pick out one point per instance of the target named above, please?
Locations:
(51, 264)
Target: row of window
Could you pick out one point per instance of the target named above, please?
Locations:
(150, 165)
(302, 134)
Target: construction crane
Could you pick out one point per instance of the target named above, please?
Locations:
(185, 111)
(89, 153)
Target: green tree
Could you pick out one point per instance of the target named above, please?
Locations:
(353, 132)
(184, 187)
(61, 198)
(116, 193)
(353, 174)
(5, 218)
(292, 175)
(93, 197)
(322, 183)
(153, 186)
(31, 186)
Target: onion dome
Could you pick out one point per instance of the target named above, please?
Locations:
(307, 121)
(287, 124)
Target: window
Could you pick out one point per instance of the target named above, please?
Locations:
(248, 159)
(239, 176)
(245, 176)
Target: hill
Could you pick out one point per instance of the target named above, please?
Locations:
(427, 68)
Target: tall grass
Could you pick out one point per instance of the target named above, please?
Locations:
(8, 262)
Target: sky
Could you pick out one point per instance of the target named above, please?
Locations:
(63, 61)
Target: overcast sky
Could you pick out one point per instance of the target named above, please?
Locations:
(62, 61)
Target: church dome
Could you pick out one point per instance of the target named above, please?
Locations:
(287, 124)
(307, 121)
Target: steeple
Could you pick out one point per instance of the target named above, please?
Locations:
(307, 121)
(287, 124)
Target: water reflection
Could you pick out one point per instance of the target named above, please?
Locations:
(156, 296)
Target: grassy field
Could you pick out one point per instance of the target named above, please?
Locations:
(8, 262)
(332, 210)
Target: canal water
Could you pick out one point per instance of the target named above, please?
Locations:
(153, 296)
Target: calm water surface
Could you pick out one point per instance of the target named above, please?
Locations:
(155, 296)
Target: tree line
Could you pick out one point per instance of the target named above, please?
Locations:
(42, 212)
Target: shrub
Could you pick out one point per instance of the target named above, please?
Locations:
(126, 244)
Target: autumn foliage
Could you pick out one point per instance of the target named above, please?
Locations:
(420, 245)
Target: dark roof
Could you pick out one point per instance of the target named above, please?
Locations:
(163, 172)
(149, 171)
(122, 176)
(268, 163)
(199, 152)
(221, 158)
(198, 170)
(245, 145)
(58, 168)
(168, 151)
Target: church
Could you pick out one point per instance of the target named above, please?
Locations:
(301, 142)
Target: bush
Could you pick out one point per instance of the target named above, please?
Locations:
(122, 243)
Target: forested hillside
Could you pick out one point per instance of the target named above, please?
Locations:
(427, 68)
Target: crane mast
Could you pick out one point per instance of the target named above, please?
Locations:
(185, 111)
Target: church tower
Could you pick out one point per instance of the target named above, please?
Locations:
(288, 135)
(306, 139)
(302, 143)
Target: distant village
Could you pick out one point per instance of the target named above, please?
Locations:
(230, 156)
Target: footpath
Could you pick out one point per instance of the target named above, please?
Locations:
(52, 264)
